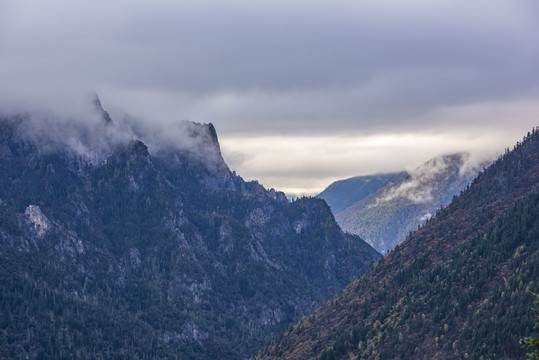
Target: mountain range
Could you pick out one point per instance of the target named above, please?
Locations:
(454, 289)
(123, 240)
(385, 208)
(120, 241)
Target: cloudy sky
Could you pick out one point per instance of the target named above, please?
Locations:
(302, 92)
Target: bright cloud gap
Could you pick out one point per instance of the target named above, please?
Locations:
(306, 165)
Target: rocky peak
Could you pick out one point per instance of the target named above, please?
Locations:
(206, 137)
(96, 103)
(199, 263)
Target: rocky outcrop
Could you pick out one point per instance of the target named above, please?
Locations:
(39, 222)
(158, 252)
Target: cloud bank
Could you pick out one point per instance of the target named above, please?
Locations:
(284, 69)
(93, 135)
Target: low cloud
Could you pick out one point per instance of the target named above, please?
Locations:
(464, 73)
(425, 182)
(418, 188)
(88, 131)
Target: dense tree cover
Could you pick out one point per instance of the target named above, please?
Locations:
(156, 256)
(454, 289)
(532, 342)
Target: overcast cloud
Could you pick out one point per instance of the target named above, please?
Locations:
(284, 82)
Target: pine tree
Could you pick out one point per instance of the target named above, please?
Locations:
(532, 342)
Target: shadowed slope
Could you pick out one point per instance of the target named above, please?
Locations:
(454, 289)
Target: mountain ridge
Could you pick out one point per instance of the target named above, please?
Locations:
(153, 250)
(456, 288)
(385, 217)
(343, 193)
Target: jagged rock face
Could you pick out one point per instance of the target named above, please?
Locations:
(39, 221)
(157, 254)
(99, 109)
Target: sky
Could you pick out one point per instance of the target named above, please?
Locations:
(301, 92)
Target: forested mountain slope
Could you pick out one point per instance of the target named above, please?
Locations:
(455, 289)
(110, 251)
(344, 193)
(386, 217)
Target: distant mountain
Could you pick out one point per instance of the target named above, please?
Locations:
(386, 217)
(455, 289)
(111, 247)
(344, 193)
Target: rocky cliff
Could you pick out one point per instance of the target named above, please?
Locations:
(121, 241)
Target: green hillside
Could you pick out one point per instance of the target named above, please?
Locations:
(455, 289)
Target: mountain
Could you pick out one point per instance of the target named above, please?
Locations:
(119, 240)
(386, 217)
(455, 289)
(344, 193)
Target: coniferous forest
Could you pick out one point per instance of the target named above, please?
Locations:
(455, 289)
(176, 217)
(155, 256)
(175, 256)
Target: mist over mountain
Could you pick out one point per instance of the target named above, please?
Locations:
(124, 239)
(385, 217)
(344, 193)
(455, 289)
(87, 130)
